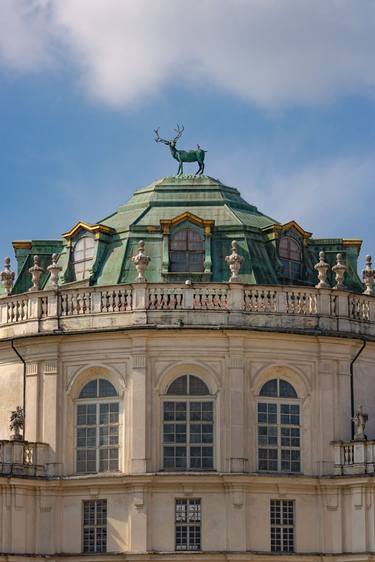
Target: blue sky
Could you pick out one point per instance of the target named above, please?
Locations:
(280, 94)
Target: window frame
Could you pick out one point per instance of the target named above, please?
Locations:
(289, 261)
(187, 399)
(97, 401)
(279, 401)
(86, 261)
(283, 526)
(187, 252)
(96, 526)
(188, 525)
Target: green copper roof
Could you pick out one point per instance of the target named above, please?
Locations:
(202, 203)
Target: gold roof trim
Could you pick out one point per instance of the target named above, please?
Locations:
(287, 226)
(22, 244)
(81, 225)
(351, 242)
(187, 216)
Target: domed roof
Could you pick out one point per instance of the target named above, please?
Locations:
(216, 212)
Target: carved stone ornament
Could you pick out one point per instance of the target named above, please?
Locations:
(339, 271)
(360, 419)
(7, 276)
(141, 262)
(36, 273)
(368, 275)
(322, 267)
(17, 423)
(234, 261)
(54, 270)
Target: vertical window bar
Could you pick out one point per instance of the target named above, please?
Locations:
(282, 519)
(94, 528)
(188, 524)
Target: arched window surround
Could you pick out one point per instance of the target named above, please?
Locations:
(75, 382)
(188, 426)
(279, 435)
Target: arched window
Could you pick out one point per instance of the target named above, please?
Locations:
(290, 257)
(97, 428)
(279, 433)
(186, 252)
(188, 425)
(83, 255)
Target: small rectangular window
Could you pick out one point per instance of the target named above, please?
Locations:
(282, 525)
(95, 526)
(188, 524)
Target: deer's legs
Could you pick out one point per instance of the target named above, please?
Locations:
(200, 169)
(180, 170)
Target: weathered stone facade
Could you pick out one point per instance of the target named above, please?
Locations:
(141, 338)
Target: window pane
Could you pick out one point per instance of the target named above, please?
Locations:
(197, 386)
(286, 390)
(269, 388)
(178, 386)
(106, 389)
(89, 390)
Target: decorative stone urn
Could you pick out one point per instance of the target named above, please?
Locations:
(36, 273)
(54, 270)
(339, 271)
(322, 267)
(141, 262)
(368, 275)
(7, 276)
(234, 261)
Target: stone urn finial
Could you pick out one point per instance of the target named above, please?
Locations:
(360, 419)
(54, 270)
(36, 273)
(234, 261)
(322, 267)
(339, 270)
(368, 275)
(141, 262)
(7, 276)
(17, 424)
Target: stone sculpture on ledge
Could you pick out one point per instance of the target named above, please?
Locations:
(339, 270)
(54, 270)
(36, 273)
(7, 277)
(322, 267)
(141, 262)
(360, 419)
(234, 261)
(368, 275)
(17, 423)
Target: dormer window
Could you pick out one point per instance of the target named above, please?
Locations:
(290, 257)
(186, 253)
(83, 255)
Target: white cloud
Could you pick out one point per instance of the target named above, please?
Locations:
(270, 52)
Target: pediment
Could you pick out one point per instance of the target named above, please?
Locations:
(166, 224)
(81, 225)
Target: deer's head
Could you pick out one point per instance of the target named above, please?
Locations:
(172, 142)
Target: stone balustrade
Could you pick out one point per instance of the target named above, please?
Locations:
(23, 458)
(354, 457)
(203, 304)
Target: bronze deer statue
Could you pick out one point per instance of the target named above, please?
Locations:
(183, 155)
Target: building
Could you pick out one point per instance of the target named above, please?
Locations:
(173, 415)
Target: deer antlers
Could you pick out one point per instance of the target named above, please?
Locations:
(178, 131)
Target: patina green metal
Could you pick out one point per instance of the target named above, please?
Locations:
(195, 155)
(186, 196)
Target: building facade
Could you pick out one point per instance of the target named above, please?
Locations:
(171, 414)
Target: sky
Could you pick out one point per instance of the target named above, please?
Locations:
(281, 94)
